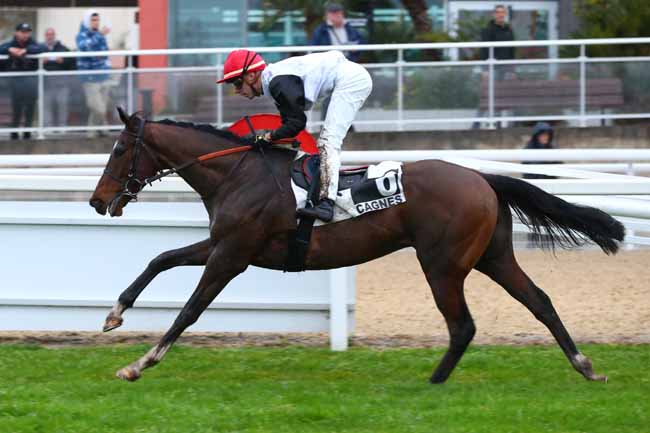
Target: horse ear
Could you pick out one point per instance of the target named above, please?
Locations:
(123, 117)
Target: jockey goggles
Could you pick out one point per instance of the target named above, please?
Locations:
(238, 64)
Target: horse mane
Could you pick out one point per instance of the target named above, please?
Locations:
(205, 127)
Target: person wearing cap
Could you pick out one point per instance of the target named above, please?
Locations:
(335, 30)
(96, 86)
(24, 89)
(295, 85)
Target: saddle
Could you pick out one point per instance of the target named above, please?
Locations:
(305, 173)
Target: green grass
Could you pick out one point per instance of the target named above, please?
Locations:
(198, 390)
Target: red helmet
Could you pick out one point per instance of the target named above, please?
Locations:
(239, 62)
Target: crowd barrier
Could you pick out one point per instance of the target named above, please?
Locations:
(85, 260)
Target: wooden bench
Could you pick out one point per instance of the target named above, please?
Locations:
(524, 95)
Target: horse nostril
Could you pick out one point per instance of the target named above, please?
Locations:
(96, 203)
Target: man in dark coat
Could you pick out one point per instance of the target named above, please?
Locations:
(498, 30)
(335, 30)
(56, 87)
(24, 90)
(542, 138)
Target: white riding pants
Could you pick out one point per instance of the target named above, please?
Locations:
(352, 86)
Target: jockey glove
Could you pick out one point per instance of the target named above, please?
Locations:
(258, 141)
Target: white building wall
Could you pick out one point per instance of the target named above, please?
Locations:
(66, 22)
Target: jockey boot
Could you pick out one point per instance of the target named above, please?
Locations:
(324, 210)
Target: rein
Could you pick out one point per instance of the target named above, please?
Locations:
(132, 185)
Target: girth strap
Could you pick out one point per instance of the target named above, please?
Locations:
(299, 239)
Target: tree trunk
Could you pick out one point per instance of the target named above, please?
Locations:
(417, 9)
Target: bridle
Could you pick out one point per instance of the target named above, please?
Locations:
(132, 184)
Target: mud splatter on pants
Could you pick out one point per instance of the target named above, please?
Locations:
(352, 86)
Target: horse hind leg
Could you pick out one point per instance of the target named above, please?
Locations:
(505, 271)
(450, 298)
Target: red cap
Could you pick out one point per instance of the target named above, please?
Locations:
(240, 62)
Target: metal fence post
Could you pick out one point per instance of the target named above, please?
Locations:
(129, 83)
(491, 88)
(339, 309)
(220, 93)
(583, 86)
(41, 96)
(400, 90)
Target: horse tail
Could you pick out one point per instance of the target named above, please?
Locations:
(563, 223)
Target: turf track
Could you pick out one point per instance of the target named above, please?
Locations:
(495, 389)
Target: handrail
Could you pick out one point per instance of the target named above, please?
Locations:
(367, 47)
(403, 116)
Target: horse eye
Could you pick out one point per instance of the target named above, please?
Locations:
(118, 148)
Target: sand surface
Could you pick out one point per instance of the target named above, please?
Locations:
(604, 299)
(599, 298)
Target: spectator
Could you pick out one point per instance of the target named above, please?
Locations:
(56, 90)
(96, 86)
(542, 138)
(24, 90)
(498, 30)
(336, 31)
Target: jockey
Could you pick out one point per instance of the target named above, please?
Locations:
(295, 85)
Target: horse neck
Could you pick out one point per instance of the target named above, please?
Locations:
(175, 146)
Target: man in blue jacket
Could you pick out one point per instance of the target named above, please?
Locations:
(24, 90)
(96, 86)
(336, 31)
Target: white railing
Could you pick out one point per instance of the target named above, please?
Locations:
(621, 195)
(582, 114)
(88, 260)
(58, 299)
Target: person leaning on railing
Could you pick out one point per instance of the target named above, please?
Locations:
(24, 89)
(56, 87)
(96, 86)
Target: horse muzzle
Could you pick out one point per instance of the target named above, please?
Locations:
(98, 205)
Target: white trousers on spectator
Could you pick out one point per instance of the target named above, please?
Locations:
(352, 86)
(56, 105)
(97, 101)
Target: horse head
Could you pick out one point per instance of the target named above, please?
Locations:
(126, 169)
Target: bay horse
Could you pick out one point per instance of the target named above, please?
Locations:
(457, 220)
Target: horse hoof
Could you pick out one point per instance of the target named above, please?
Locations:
(128, 373)
(598, 378)
(112, 322)
(584, 366)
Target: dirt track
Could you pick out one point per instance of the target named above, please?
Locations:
(600, 299)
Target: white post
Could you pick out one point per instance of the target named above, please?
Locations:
(400, 90)
(129, 90)
(220, 93)
(491, 88)
(339, 309)
(583, 86)
(41, 98)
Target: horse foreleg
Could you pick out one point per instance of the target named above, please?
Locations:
(505, 271)
(192, 255)
(225, 263)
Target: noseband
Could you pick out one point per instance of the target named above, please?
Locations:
(131, 184)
